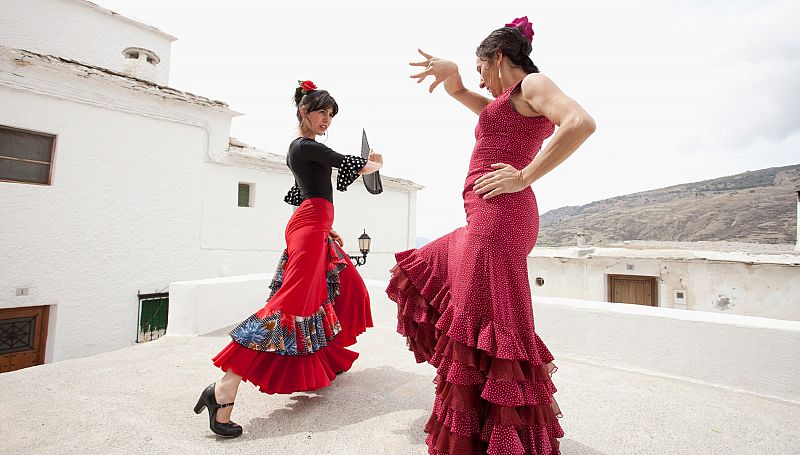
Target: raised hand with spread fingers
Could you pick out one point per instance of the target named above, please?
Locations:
(446, 71)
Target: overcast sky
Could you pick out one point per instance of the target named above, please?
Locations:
(681, 91)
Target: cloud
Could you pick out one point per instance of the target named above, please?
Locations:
(758, 75)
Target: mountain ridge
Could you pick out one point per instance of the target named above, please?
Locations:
(754, 206)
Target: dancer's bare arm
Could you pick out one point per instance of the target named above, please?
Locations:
(575, 125)
(446, 71)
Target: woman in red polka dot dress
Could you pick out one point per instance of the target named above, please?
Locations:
(464, 300)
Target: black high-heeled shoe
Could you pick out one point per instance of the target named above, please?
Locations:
(208, 400)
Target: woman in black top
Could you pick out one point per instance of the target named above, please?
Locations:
(298, 341)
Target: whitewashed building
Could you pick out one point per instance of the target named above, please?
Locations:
(737, 279)
(113, 184)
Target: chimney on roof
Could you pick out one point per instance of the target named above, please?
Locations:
(140, 63)
(581, 238)
(797, 221)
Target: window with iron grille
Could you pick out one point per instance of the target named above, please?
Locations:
(153, 312)
(26, 156)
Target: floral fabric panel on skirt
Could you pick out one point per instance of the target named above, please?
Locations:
(294, 335)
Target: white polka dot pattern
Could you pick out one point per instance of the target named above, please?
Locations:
(464, 306)
(348, 171)
(293, 197)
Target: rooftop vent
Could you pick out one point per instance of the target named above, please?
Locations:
(797, 238)
(140, 63)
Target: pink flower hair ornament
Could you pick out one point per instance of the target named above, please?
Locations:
(524, 26)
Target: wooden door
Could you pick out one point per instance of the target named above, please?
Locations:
(633, 289)
(23, 337)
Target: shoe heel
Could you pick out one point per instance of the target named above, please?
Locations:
(198, 408)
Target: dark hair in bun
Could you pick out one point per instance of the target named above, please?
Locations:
(314, 100)
(510, 42)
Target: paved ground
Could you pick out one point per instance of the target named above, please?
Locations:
(139, 400)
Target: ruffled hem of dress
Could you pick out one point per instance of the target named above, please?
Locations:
(286, 334)
(464, 419)
(484, 403)
(336, 263)
(352, 303)
(518, 382)
(496, 440)
(285, 374)
(424, 313)
(417, 315)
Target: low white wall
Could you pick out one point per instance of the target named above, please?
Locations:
(750, 354)
(202, 306)
(384, 311)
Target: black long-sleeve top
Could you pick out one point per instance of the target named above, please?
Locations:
(312, 164)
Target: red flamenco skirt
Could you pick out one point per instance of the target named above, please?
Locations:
(464, 306)
(318, 306)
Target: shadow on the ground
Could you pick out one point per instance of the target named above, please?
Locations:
(353, 397)
(359, 396)
(569, 447)
(415, 431)
(415, 434)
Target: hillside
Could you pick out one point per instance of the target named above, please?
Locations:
(754, 207)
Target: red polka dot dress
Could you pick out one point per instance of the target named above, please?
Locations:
(464, 306)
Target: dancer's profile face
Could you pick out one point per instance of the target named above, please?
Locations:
(490, 76)
(319, 121)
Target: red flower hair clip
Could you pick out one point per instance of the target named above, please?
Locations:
(524, 26)
(306, 86)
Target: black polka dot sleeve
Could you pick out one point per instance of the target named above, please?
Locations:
(293, 197)
(348, 171)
